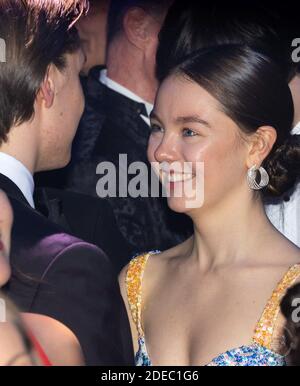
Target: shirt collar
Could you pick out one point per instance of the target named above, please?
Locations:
(18, 174)
(296, 129)
(104, 79)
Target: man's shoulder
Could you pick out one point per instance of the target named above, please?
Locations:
(48, 263)
(37, 241)
(29, 223)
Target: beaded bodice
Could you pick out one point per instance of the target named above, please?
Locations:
(259, 353)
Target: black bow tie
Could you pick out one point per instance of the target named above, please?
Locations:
(142, 110)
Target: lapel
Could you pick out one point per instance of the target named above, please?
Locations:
(49, 207)
(105, 107)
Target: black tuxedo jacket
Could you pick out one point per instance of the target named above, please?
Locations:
(88, 218)
(60, 276)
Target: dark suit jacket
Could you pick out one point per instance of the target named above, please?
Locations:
(59, 275)
(88, 218)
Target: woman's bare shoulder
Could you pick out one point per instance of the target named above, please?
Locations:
(159, 264)
(287, 253)
(173, 253)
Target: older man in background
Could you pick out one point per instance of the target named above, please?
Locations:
(92, 32)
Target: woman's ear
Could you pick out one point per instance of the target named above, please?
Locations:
(47, 89)
(261, 143)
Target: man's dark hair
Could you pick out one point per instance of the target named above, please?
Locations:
(191, 25)
(36, 33)
(118, 9)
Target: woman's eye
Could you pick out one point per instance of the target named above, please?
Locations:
(189, 133)
(156, 128)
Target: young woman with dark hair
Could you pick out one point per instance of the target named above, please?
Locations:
(215, 299)
(262, 25)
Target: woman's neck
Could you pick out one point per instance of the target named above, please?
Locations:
(230, 234)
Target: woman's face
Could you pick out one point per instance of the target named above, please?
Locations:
(6, 219)
(189, 126)
(65, 111)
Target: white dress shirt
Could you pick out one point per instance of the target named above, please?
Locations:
(124, 91)
(286, 215)
(13, 169)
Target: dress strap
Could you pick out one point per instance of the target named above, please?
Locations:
(264, 330)
(134, 278)
(40, 351)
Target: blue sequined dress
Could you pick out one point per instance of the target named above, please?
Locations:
(258, 353)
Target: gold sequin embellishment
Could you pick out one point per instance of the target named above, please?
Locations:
(263, 334)
(134, 279)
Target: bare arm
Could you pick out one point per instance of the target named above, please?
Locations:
(122, 284)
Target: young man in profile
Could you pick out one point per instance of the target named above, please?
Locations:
(65, 285)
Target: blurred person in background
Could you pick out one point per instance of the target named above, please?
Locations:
(16, 346)
(92, 32)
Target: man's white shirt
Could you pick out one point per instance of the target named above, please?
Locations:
(125, 92)
(14, 170)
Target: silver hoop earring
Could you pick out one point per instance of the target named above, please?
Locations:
(251, 178)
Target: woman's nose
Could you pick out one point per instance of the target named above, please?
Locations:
(167, 150)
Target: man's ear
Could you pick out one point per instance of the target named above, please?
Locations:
(47, 89)
(137, 27)
(260, 145)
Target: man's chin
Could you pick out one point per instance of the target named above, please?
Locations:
(66, 163)
(59, 164)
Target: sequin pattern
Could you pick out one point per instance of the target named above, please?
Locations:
(142, 357)
(263, 334)
(259, 353)
(134, 279)
(253, 355)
